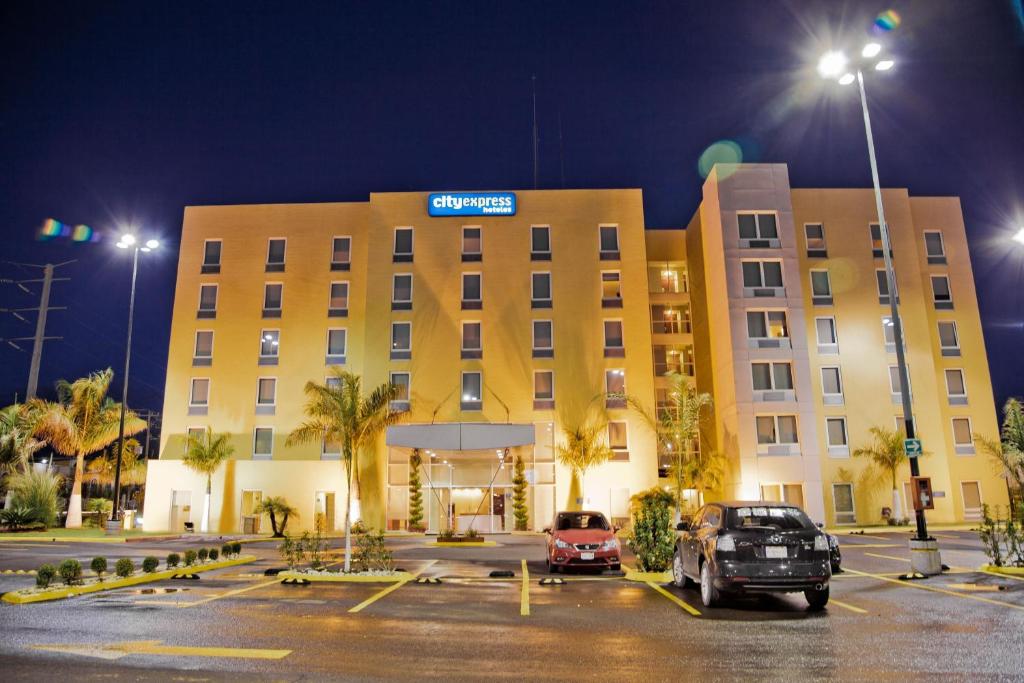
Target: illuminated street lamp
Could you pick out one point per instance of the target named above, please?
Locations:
(1019, 237)
(127, 240)
(834, 65)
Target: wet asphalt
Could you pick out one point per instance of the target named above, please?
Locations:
(964, 625)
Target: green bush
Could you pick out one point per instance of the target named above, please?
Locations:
(371, 553)
(652, 539)
(214, 554)
(472, 534)
(446, 535)
(236, 548)
(45, 574)
(99, 565)
(190, 557)
(103, 507)
(18, 518)
(124, 567)
(173, 560)
(71, 571)
(203, 554)
(149, 564)
(520, 508)
(37, 491)
(225, 550)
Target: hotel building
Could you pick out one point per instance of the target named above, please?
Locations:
(503, 327)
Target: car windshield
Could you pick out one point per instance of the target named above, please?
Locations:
(581, 521)
(773, 517)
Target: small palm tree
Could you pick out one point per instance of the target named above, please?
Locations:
(341, 413)
(17, 441)
(887, 454)
(133, 468)
(277, 506)
(204, 455)
(582, 450)
(82, 421)
(1009, 452)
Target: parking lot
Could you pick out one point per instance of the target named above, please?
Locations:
(239, 622)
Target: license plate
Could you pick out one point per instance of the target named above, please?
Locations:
(586, 556)
(776, 552)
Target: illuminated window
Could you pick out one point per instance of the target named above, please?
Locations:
(611, 289)
(472, 391)
(767, 325)
(401, 340)
(401, 381)
(269, 343)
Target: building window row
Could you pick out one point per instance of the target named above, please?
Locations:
(814, 235)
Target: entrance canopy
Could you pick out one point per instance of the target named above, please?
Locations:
(460, 436)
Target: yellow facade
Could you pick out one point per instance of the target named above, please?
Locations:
(646, 286)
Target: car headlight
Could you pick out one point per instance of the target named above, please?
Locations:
(725, 544)
(820, 542)
(559, 543)
(610, 544)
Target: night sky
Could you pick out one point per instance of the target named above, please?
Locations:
(115, 113)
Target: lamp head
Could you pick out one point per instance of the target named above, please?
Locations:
(832, 64)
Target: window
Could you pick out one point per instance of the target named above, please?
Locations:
(842, 503)
(876, 240)
(894, 383)
(757, 229)
(403, 245)
(815, 235)
(668, 277)
(618, 439)
(776, 429)
(543, 389)
(472, 244)
(963, 441)
(337, 341)
(835, 435)
(611, 291)
(472, 391)
(269, 346)
(207, 301)
(341, 253)
(471, 340)
(883, 286)
(956, 389)
(772, 376)
(194, 433)
(263, 442)
(889, 334)
(401, 292)
(273, 294)
(266, 391)
(670, 320)
(540, 290)
(211, 256)
(401, 382)
(613, 345)
(672, 358)
(949, 341)
(275, 254)
(543, 339)
(828, 341)
(203, 353)
(831, 386)
(200, 394)
(971, 492)
(338, 305)
(761, 275)
(401, 340)
(934, 247)
(540, 243)
(471, 291)
(767, 325)
(821, 288)
(609, 242)
(615, 384)
(941, 294)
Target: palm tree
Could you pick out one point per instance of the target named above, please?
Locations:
(84, 420)
(886, 452)
(204, 455)
(677, 425)
(274, 506)
(17, 441)
(341, 413)
(583, 449)
(1009, 453)
(133, 468)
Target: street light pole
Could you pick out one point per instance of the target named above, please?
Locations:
(124, 389)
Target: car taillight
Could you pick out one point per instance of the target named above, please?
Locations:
(726, 544)
(820, 542)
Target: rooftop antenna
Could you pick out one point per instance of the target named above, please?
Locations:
(536, 167)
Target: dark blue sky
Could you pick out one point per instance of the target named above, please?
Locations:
(118, 112)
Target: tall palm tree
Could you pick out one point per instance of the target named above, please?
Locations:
(17, 440)
(343, 414)
(82, 421)
(583, 449)
(886, 452)
(678, 425)
(204, 455)
(1009, 452)
(133, 468)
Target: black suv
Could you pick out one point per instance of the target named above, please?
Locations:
(752, 547)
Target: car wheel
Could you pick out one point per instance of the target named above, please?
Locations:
(817, 599)
(552, 568)
(709, 595)
(837, 568)
(678, 577)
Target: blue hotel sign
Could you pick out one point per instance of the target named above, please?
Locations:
(472, 204)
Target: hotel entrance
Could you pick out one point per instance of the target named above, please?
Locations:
(468, 490)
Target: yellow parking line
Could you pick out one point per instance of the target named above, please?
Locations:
(848, 546)
(889, 557)
(1003, 576)
(393, 587)
(877, 538)
(228, 594)
(524, 601)
(844, 605)
(934, 589)
(674, 598)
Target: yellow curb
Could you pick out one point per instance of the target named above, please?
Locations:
(464, 544)
(348, 578)
(524, 598)
(23, 598)
(648, 577)
(1006, 571)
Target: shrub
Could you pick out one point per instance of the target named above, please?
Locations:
(292, 550)
(102, 507)
(124, 567)
(71, 571)
(190, 557)
(236, 548)
(655, 494)
(652, 539)
(17, 518)
(991, 537)
(371, 553)
(225, 550)
(214, 554)
(45, 574)
(99, 565)
(173, 559)
(203, 554)
(149, 564)
(472, 534)
(37, 492)
(446, 535)
(520, 508)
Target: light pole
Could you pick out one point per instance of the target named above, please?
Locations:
(127, 241)
(835, 65)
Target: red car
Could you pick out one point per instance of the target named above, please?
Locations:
(582, 539)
